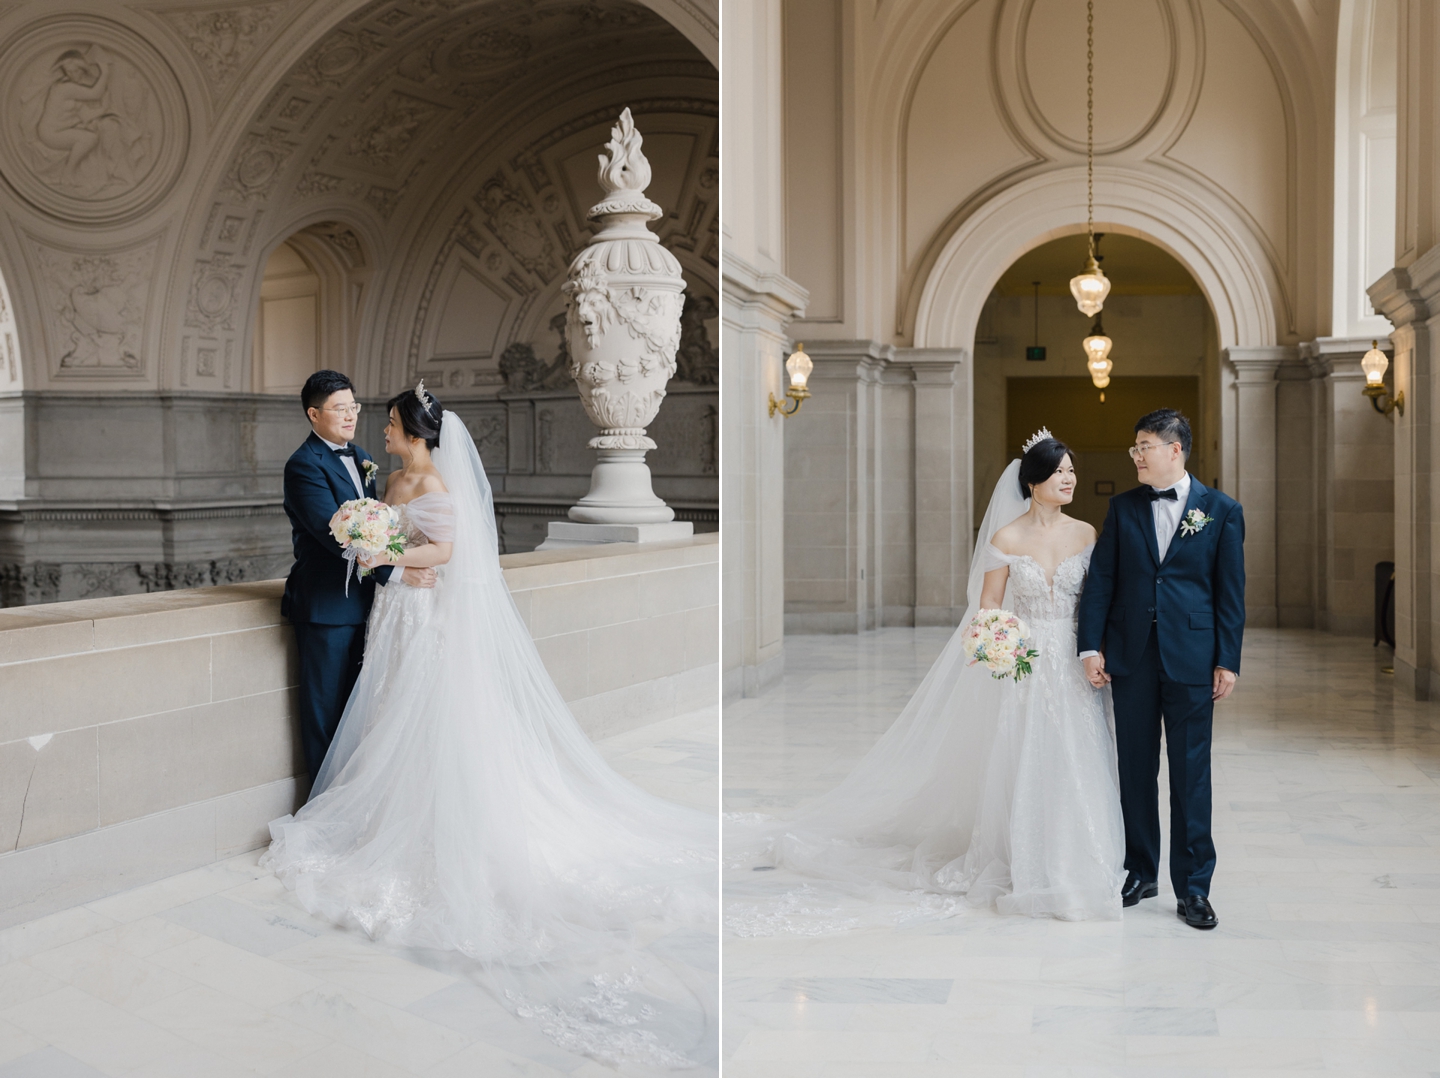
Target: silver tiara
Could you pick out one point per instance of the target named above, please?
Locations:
(422, 395)
(1035, 439)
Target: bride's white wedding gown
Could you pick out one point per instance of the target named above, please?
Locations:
(1048, 838)
(982, 793)
(462, 808)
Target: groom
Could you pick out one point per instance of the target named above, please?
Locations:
(329, 623)
(1161, 620)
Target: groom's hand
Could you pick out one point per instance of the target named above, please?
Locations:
(418, 578)
(1095, 671)
(1224, 683)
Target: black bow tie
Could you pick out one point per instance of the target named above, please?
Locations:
(349, 451)
(1168, 495)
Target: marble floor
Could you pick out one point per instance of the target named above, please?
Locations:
(219, 972)
(1326, 961)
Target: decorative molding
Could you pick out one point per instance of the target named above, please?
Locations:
(223, 39)
(212, 294)
(256, 164)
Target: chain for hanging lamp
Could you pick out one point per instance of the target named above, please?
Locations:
(1091, 287)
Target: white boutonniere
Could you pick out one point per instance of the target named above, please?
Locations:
(1194, 522)
(370, 469)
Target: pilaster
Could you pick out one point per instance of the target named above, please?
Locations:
(756, 308)
(1408, 296)
(1354, 455)
(1256, 372)
(943, 469)
(833, 552)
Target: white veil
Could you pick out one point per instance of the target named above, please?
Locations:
(462, 808)
(908, 808)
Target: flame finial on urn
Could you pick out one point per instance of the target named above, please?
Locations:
(625, 174)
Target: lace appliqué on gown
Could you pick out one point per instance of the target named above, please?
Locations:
(1048, 838)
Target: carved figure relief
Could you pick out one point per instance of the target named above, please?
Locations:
(97, 305)
(91, 122)
(223, 40)
(96, 127)
(393, 129)
(489, 432)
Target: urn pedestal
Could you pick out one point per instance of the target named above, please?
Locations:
(622, 329)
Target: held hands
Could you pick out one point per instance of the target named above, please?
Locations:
(418, 578)
(1095, 671)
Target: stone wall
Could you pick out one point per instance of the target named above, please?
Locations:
(143, 736)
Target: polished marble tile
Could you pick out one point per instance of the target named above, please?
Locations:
(218, 973)
(1326, 961)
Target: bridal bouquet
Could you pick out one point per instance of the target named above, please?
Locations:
(366, 527)
(997, 638)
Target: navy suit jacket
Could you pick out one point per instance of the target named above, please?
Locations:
(316, 482)
(1195, 597)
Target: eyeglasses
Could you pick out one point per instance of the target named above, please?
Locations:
(1138, 451)
(346, 410)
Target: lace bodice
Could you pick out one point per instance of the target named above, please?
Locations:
(1033, 597)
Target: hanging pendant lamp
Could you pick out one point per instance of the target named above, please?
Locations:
(1097, 355)
(1091, 287)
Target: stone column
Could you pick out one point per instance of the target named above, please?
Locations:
(755, 309)
(1407, 296)
(833, 501)
(1255, 448)
(1355, 497)
(943, 468)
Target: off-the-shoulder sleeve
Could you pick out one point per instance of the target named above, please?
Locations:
(434, 514)
(991, 557)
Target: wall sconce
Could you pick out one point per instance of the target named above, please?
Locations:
(798, 367)
(1374, 364)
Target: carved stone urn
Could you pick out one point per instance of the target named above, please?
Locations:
(623, 329)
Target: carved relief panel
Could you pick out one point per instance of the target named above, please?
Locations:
(96, 306)
(95, 127)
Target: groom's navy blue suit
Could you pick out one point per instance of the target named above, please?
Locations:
(329, 624)
(1164, 625)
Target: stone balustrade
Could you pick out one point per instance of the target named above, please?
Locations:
(141, 736)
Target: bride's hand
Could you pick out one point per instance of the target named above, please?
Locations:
(373, 561)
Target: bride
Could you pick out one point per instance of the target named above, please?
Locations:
(1003, 792)
(461, 807)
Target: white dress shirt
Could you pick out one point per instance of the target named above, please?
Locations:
(1167, 516)
(350, 467)
(1168, 513)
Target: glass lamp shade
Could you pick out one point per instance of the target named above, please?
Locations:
(1374, 364)
(1097, 348)
(1090, 288)
(799, 366)
(1100, 383)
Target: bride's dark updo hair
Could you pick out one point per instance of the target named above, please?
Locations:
(418, 420)
(1040, 462)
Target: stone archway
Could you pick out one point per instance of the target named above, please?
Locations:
(1216, 248)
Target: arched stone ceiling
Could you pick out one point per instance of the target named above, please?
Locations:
(401, 111)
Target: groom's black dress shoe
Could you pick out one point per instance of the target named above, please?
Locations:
(1196, 911)
(1135, 889)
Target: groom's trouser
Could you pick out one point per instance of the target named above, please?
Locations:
(330, 657)
(1144, 699)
